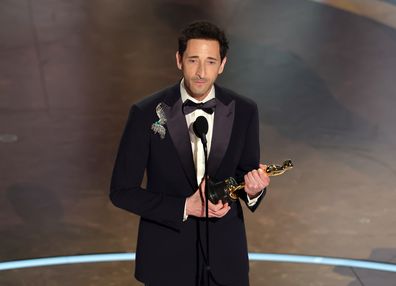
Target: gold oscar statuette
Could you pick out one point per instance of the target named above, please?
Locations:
(226, 191)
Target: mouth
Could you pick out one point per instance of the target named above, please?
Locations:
(199, 82)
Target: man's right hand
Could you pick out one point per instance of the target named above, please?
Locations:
(195, 205)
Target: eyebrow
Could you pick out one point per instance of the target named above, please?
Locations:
(196, 57)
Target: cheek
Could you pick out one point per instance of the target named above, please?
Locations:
(213, 73)
(185, 68)
(188, 72)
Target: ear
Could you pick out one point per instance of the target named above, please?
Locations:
(179, 61)
(221, 69)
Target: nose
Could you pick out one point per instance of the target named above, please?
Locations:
(201, 70)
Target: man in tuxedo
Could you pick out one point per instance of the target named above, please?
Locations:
(158, 138)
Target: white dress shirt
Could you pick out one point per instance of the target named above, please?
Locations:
(196, 144)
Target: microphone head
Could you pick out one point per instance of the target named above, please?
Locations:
(200, 126)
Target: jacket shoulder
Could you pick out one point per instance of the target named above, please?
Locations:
(151, 101)
(240, 100)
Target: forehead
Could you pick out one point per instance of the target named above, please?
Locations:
(202, 47)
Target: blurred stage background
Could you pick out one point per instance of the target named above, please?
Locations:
(322, 72)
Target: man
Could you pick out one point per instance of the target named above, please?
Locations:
(158, 139)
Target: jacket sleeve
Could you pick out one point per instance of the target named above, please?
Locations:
(125, 189)
(250, 158)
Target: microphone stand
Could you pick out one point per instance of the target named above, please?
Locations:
(209, 274)
(200, 129)
(208, 270)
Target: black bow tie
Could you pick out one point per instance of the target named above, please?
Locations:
(208, 106)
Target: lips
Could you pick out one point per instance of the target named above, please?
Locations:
(200, 81)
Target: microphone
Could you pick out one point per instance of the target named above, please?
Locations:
(200, 127)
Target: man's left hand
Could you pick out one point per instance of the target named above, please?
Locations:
(256, 181)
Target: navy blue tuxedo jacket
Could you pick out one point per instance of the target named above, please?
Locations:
(168, 249)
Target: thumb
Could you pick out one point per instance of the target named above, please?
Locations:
(263, 167)
(202, 185)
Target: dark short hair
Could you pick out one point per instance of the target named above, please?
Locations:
(203, 30)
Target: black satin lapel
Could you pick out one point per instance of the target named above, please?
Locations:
(222, 128)
(178, 131)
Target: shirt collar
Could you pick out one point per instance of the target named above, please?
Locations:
(184, 94)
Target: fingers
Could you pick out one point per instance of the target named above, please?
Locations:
(194, 204)
(202, 185)
(219, 210)
(214, 210)
(201, 189)
(264, 179)
(256, 180)
(263, 167)
(215, 207)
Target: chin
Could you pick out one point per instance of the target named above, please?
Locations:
(201, 92)
(198, 92)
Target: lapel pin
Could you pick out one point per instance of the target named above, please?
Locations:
(158, 126)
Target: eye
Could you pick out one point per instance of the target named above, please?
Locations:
(212, 62)
(192, 61)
